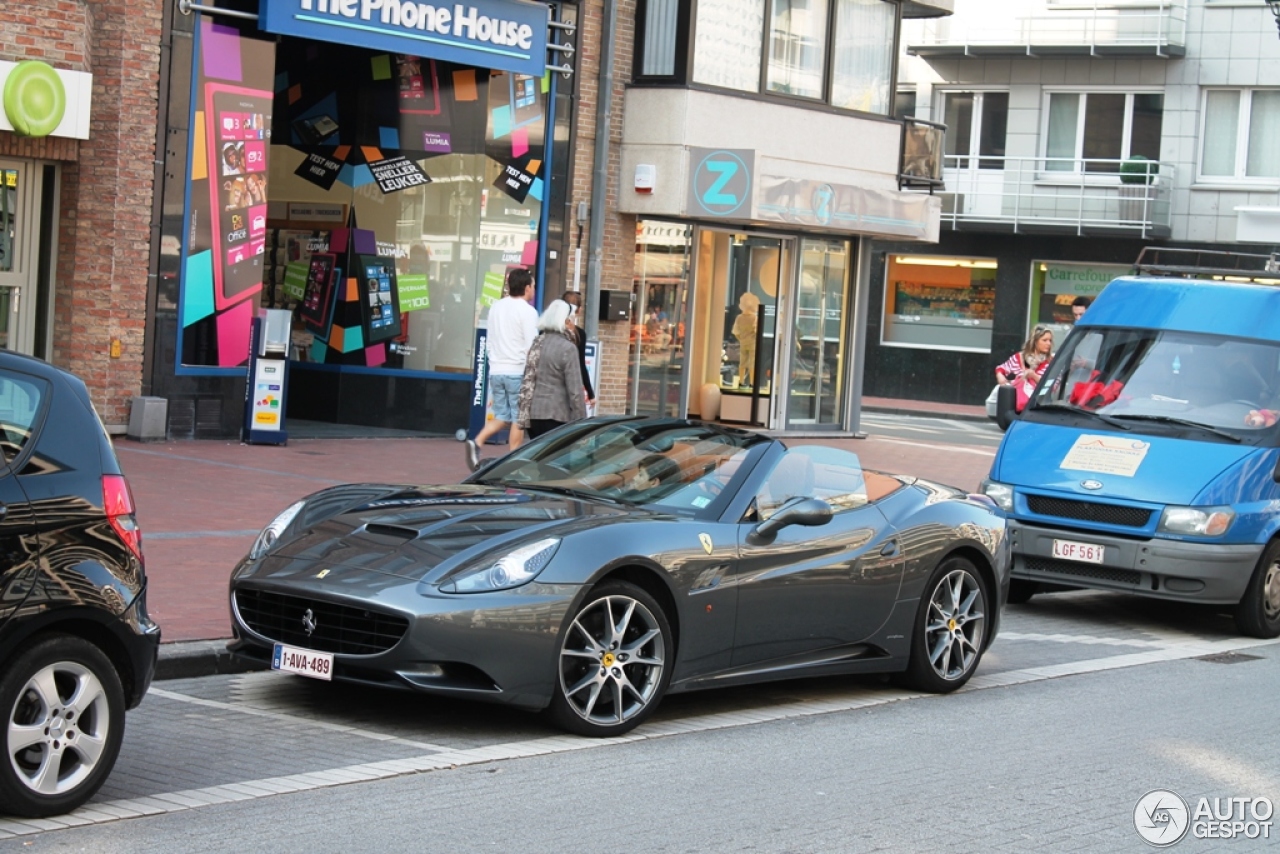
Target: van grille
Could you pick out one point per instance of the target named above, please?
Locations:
(1089, 511)
(339, 629)
(1083, 570)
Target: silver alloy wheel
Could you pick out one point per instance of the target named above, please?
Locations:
(955, 624)
(1271, 592)
(611, 661)
(58, 728)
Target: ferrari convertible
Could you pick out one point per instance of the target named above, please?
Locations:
(615, 560)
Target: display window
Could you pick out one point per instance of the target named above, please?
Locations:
(381, 197)
(1056, 286)
(939, 302)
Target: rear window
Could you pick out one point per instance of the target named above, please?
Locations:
(20, 400)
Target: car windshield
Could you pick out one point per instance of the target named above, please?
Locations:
(663, 462)
(1155, 381)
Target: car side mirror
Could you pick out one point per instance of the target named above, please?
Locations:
(1006, 405)
(797, 511)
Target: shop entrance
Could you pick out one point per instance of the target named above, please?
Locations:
(26, 227)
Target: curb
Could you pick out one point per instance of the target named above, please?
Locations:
(187, 659)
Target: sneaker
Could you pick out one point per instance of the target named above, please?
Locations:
(473, 455)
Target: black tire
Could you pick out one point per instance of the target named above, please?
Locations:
(1021, 591)
(950, 628)
(619, 643)
(1258, 614)
(62, 703)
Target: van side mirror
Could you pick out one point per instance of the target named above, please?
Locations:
(1006, 405)
(797, 511)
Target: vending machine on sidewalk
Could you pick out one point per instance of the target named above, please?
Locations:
(268, 378)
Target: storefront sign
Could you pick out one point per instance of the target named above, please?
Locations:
(397, 173)
(39, 100)
(721, 182)
(319, 170)
(842, 207)
(508, 35)
(315, 212)
(1080, 279)
(437, 142)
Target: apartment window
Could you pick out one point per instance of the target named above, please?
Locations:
(1095, 131)
(1241, 134)
(839, 52)
(976, 125)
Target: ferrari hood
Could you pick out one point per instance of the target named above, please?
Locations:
(420, 533)
(1157, 469)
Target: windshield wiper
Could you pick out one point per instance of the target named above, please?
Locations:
(1182, 422)
(1109, 419)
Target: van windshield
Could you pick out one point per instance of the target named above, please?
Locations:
(1150, 380)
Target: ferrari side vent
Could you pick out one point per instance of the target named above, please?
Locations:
(317, 624)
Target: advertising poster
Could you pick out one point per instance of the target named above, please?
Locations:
(224, 259)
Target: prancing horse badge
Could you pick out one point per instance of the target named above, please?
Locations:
(705, 539)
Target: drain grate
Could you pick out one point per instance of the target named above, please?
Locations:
(1227, 657)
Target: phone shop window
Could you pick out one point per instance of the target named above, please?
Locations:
(381, 197)
(939, 302)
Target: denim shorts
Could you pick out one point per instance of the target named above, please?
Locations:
(506, 395)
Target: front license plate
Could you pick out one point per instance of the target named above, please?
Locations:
(305, 662)
(1083, 552)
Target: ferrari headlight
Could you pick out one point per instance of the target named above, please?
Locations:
(1000, 493)
(272, 532)
(512, 570)
(1196, 521)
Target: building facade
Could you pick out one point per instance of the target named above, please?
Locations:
(1077, 134)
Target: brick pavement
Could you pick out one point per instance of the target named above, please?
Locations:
(201, 503)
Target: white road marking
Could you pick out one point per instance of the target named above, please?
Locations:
(1182, 647)
(960, 449)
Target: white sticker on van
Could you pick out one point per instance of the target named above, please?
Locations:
(1106, 455)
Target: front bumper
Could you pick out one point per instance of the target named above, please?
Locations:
(498, 647)
(1210, 573)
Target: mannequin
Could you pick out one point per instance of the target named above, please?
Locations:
(744, 329)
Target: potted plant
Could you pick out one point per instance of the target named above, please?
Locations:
(1136, 175)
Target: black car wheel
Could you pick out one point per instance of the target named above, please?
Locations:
(64, 722)
(950, 628)
(1258, 614)
(612, 667)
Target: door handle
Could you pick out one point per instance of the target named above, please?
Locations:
(889, 549)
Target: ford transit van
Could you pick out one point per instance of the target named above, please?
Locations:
(1148, 459)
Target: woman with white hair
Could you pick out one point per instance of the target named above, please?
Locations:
(551, 391)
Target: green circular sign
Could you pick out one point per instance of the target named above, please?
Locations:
(34, 99)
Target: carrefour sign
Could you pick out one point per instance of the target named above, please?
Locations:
(507, 35)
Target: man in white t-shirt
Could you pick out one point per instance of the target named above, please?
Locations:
(513, 324)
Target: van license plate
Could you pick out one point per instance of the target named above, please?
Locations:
(304, 662)
(1083, 552)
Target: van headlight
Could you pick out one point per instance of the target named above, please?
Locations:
(1000, 493)
(272, 532)
(519, 567)
(1196, 521)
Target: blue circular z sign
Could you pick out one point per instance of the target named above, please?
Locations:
(721, 184)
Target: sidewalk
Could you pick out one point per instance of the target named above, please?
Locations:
(201, 504)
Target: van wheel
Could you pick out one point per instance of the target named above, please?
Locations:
(1021, 591)
(1258, 614)
(63, 709)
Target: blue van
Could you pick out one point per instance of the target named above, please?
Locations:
(1148, 459)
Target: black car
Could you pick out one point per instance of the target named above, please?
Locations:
(616, 559)
(76, 645)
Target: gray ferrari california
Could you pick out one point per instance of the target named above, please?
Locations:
(619, 559)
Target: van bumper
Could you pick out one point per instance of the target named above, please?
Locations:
(1210, 573)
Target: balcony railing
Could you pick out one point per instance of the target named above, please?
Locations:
(1047, 27)
(1055, 195)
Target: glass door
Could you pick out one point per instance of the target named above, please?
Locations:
(816, 370)
(17, 256)
(660, 297)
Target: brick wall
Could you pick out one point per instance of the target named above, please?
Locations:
(103, 236)
(619, 231)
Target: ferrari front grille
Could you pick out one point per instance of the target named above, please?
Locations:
(319, 625)
(1089, 511)
(1083, 570)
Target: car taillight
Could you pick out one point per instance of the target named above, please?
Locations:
(117, 500)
